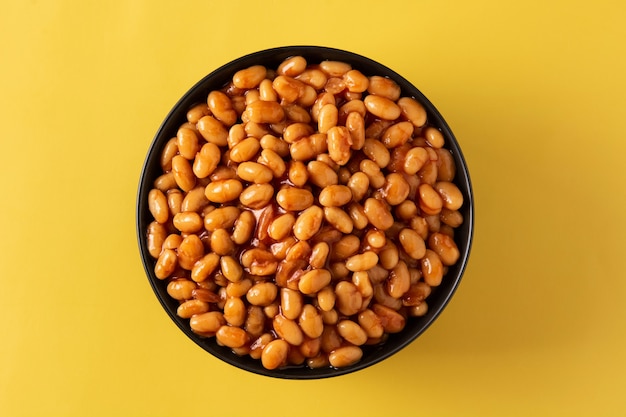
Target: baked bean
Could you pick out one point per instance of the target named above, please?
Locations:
(446, 168)
(321, 174)
(172, 241)
(314, 77)
(377, 152)
(300, 250)
(450, 194)
(287, 330)
(352, 332)
(444, 246)
(208, 323)
(165, 182)
(243, 227)
(254, 172)
(319, 255)
(396, 189)
(434, 137)
(345, 356)
(190, 250)
(309, 147)
(391, 320)
(198, 111)
(166, 263)
(298, 174)
(335, 195)
(428, 173)
(330, 338)
(347, 246)
(236, 134)
(275, 144)
(273, 161)
(416, 158)
(452, 218)
(313, 281)
(294, 199)
(281, 226)
(348, 298)
(397, 134)
(378, 214)
(308, 223)
(212, 130)
(375, 238)
(169, 150)
(412, 243)
(327, 117)
(287, 88)
(356, 127)
(250, 77)
(222, 108)
(204, 267)
(339, 219)
(416, 294)
(245, 150)
(187, 142)
(256, 196)
(206, 295)
(174, 200)
(262, 294)
(235, 312)
(188, 222)
(194, 200)
(280, 248)
(155, 237)
(339, 144)
(296, 113)
(221, 218)
(266, 91)
(232, 337)
(384, 87)
(238, 288)
(382, 107)
(265, 112)
(275, 354)
(223, 191)
(358, 216)
(223, 173)
(363, 283)
(430, 201)
(292, 66)
(190, 308)
(259, 262)
(255, 321)
(334, 68)
(406, 210)
(355, 81)
(359, 185)
(383, 298)
(388, 256)
(371, 323)
(335, 85)
(399, 280)
(310, 347)
(183, 173)
(362, 262)
(291, 303)
(231, 268)
(413, 111)
(372, 170)
(296, 131)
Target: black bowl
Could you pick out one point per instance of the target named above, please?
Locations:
(271, 58)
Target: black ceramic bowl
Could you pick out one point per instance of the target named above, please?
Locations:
(271, 58)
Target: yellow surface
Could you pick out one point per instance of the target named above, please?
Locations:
(535, 92)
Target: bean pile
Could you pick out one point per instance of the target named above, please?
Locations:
(303, 213)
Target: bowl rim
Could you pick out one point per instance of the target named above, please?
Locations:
(220, 75)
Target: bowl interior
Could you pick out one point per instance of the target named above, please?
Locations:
(271, 58)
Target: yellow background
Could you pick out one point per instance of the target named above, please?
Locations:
(536, 94)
